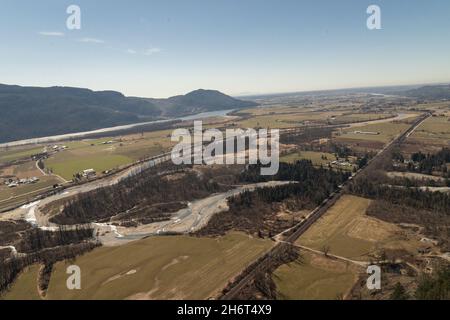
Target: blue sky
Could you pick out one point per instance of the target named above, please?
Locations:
(162, 48)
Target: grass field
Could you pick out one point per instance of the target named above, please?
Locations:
(387, 132)
(27, 189)
(361, 117)
(435, 131)
(21, 171)
(279, 121)
(314, 277)
(315, 157)
(7, 155)
(25, 287)
(178, 267)
(349, 233)
(87, 154)
(67, 163)
(282, 117)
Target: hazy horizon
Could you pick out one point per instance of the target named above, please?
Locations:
(260, 94)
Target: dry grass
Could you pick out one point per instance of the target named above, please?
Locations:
(387, 131)
(178, 267)
(434, 131)
(315, 278)
(350, 233)
(26, 286)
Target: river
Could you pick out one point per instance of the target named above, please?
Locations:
(112, 129)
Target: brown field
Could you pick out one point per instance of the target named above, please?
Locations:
(350, 233)
(434, 131)
(25, 287)
(178, 267)
(315, 277)
(386, 132)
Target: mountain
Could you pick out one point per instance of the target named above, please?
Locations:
(31, 112)
(432, 92)
(199, 101)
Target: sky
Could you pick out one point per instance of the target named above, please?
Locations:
(162, 48)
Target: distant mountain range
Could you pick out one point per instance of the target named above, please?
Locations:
(31, 112)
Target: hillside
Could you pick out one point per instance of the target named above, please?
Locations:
(436, 92)
(199, 101)
(29, 112)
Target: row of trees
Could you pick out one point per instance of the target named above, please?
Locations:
(300, 171)
(36, 239)
(412, 197)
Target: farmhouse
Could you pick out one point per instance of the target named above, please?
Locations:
(89, 173)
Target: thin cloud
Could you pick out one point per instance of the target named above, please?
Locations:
(131, 51)
(91, 40)
(51, 34)
(151, 51)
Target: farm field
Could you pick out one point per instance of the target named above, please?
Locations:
(178, 267)
(27, 189)
(316, 157)
(284, 116)
(280, 121)
(94, 154)
(24, 170)
(314, 277)
(434, 131)
(386, 132)
(7, 155)
(349, 233)
(25, 287)
(361, 117)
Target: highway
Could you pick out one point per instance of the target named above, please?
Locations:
(315, 215)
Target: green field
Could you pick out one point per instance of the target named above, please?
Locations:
(178, 267)
(66, 164)
(315, 157)
(92, 154)
(279, 121)
(7, 155)
(27, 189)
(314, 278)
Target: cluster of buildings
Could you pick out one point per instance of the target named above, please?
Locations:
(15, 183)
(108, 142)
(341, 163)
(88, 173)
(57, 148)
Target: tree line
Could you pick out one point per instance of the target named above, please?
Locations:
(143, 190)
(412, 197)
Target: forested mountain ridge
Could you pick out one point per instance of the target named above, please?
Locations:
(29, 112)
(431, 92)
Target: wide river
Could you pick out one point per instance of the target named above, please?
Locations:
(117, 128)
